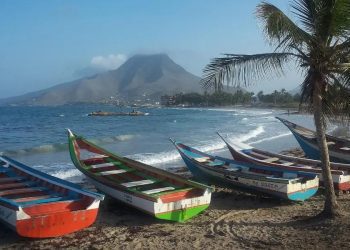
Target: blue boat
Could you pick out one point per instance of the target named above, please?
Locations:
(338, 148)
(290, 185)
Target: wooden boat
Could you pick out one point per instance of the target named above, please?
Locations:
(106, 113)
(296, 186)
(37, 205)
(154, 191)
(246, 153)
(339, 149)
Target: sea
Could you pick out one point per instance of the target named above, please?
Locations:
(37, 136)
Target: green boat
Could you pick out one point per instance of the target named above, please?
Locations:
(154, 191)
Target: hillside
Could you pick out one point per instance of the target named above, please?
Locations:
(140, 77)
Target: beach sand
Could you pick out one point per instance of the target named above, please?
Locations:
(234, 220)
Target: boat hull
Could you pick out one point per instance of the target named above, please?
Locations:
(338, 149)
(260, 186)
(312, 151)
(179, 211)
(61, 208)
(340, 177)
(57, 224)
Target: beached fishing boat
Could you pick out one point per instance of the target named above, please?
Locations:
(37, 205)
(154, 191)
(338, 148)
(296, 186)
(247, 153)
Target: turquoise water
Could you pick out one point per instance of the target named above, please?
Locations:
(37, 136)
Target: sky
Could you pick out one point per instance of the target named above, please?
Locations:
(44, 43)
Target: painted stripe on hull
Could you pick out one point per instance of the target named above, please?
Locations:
(182, 215)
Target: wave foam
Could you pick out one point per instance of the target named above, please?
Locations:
(251, 134)
(271, 138)
(56, 147)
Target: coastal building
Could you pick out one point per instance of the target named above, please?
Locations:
(167, 100)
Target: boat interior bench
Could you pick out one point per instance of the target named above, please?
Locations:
(158, 190)
(137, 183)
(270, 160)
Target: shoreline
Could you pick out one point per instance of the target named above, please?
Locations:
(234, 220)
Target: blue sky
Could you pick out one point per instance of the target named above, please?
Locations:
(44, 43)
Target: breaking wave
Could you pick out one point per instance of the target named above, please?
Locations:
(56, 147)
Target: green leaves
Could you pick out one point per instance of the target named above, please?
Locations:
(279, 29)
(243, 69)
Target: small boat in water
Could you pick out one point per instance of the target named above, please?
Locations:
(295, 186)
(246, 153)
(37, 205)
(338, 148)
(106, 113)
(154, 191)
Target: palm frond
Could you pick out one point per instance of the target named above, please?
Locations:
(240, 70)
(336, 103)
(340, 23)
(305, 10)
(279, 28)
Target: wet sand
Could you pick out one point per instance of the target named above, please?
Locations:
(234, 220)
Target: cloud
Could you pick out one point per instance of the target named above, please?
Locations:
(108, 62)
(99, 64)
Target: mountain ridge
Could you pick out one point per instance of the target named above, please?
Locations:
(140, 77)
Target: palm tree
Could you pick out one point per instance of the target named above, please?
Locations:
(319, 43)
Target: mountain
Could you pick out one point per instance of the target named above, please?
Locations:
(140, 77)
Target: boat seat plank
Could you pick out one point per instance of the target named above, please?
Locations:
(22, 190)
(345, 148)
(287, 163)
(269, 160)
(158, 190)
(330, 143)
(16, 185)
(101, 165)
(31, 198)
(45, 200)
(233, 169)
(137, 183)
(11, 179)
(216, 163)
(97, 156)
(118, 171)
(202, 159)
(3, 170)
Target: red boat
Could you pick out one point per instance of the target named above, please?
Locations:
(37, 205)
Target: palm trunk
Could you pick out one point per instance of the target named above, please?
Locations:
(331, 208)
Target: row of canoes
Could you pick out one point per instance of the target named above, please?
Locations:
(38, 205)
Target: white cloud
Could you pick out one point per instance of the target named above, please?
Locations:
(108, 62)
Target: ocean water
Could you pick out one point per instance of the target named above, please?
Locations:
(37, 135)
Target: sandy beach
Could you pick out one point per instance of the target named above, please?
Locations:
(234, 220)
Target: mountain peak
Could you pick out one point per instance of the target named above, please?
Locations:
(141, 76)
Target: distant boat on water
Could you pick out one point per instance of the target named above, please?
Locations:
(106, 113)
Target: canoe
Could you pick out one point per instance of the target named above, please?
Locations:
(295, 186)
(37, 205)
(154, 191)
(247, 153)
(339, 149)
